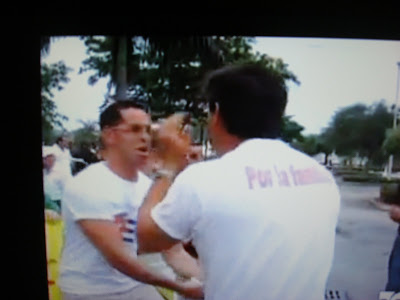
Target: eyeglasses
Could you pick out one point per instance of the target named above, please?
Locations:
(134, 128)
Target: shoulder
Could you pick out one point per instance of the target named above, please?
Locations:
(199, 176)
(200, 170)
(95, 185)
(301, 156)
(96, 176)
(55, 149)
(98, 168)
(306, 166)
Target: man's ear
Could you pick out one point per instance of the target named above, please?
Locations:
(108, 136)
(216, 120)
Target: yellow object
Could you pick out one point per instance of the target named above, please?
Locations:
(156, 263)
(54, 242)
(167, 293)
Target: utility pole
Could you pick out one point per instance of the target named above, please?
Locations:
(396, 106)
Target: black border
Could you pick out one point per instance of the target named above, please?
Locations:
(25, 222)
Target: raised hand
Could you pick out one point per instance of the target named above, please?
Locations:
(174, 142)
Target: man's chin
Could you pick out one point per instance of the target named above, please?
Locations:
(141, 161)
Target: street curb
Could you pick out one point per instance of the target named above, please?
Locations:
(379, 204)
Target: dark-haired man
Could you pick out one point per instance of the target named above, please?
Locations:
(262, 216)
(100, 207)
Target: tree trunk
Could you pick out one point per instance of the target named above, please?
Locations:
(206, 150)
(201, 134)
(326, 159)
(121, 80)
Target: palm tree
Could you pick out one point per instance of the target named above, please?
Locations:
(53, 77)
(123, 57)
(111, 56)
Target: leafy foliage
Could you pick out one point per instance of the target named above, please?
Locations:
(309, 144)
(87, 135)
(391, 145)
(359, 129)
(238, 51)
(167, 72)
(313, 144)
(52, 78)
(291, 131)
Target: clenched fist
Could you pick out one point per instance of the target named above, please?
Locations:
(395, 213)
(174, 142)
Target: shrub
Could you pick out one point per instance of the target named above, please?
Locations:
(390, 192)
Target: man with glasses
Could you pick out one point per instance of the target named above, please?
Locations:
(100, 206)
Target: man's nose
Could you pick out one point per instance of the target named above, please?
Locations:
(145, 136)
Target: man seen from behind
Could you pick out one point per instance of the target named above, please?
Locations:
(261, 216)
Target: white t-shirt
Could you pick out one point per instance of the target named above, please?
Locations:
(98, 193)
(262, 219)
(63, 160)
(53, 183)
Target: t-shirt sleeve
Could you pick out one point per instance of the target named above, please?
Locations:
(178, 213)
(89, 202)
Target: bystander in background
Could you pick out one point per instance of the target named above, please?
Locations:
(53, 187)
(393, 284)
(63, 156)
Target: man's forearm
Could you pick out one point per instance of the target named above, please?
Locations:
(107, 238)
(137, 270)
(150, 237)
(182, 263)
(140, 272)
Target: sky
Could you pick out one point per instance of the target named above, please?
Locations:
(333, 73)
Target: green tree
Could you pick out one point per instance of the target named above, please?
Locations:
(308, 144)
(237, 50)
(144, 64)
(174, 85)
(324, 146)
(391, 144)
(345, 128)
(291, 131)
(113, 56)
(313, 144)
(86, 136)
(378, 120)
(173, 73)
(53, 77)
(167, 72)
(85, 144)
(359, 130)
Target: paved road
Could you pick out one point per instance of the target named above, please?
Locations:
(363, 242)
